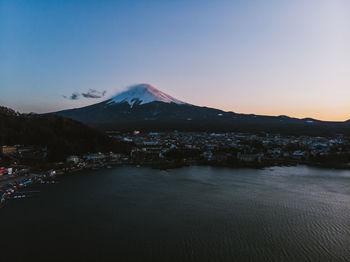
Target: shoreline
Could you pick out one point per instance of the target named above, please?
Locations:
(10, 187)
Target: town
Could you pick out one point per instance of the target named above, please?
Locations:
(237, 149)
(21, 165)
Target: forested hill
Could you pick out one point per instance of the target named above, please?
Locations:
(61, 136)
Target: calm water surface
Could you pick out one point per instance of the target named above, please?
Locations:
(188, 214)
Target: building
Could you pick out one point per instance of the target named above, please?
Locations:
(208, 155)
(9, 150)
(73, 159)
(250, 157)
(3, 171)
(96, 157)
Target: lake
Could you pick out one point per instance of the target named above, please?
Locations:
(187, 214)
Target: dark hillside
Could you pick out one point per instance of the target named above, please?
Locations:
(61, 136)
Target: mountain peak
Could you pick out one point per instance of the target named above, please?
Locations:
(143, 94)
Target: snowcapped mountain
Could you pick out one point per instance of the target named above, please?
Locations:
(143, 94)
(143, 107)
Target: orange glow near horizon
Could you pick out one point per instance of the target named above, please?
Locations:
(319, 115)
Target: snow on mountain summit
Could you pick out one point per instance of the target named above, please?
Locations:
(143, 94)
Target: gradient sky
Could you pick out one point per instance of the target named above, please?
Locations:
(265, 57)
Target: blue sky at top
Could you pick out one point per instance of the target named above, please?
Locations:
(263, 57)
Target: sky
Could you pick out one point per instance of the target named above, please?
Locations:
(267, 57)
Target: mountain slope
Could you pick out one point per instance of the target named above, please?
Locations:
(145, 110)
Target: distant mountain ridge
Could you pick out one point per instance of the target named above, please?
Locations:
(144, 107)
